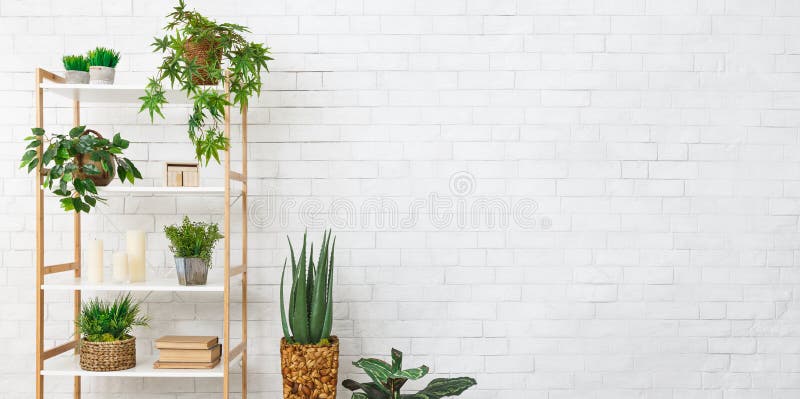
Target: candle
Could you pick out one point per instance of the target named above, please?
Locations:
(94, 261)
(136, 248)
(120, 267)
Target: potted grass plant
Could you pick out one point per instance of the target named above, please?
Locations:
(77, 69)
(102, 64)
(198, 52)
(309, 353)
(388, 379)
(105, 327)
(192, 243)
(75, 164)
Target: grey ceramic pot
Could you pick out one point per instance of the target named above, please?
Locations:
(191, 271)
(101, 75)
(78, 77)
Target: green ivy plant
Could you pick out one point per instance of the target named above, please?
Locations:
(68, 173)
(387, 379)
(227, 50)
(193, 239)
(75, 63)
(310, 311)
(101, 321)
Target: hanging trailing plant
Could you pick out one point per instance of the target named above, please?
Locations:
(76, 163)
(197, 52)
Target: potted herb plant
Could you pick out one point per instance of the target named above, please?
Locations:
(197, 52)
(387, 379)
(75, 164)
(102, 64)
(192, 243)
(106, 343)
(309, 353)
(77, 69)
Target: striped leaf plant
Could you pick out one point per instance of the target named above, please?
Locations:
(387, 379)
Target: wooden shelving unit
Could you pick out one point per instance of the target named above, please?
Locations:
(62, 360)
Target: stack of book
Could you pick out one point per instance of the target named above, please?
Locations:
(187, 352)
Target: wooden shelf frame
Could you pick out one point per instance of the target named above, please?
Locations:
(48, 81)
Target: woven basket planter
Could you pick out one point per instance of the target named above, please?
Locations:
(310, 371)
(108, 356)
(198, 51)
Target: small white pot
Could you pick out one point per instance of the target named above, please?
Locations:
(100, 75)
(78, 77)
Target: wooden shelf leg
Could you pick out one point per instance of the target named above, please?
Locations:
(226, 325)
(76, 302)
(39, 245)
(244, 253)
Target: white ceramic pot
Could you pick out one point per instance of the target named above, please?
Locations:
(77, 77)
(101, 75)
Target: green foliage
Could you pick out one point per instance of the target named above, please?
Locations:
(71, 177)
(245, 61)
(387, 379)
(193, 239)
(101, 321)
(102, 56)
(75, 63)
(310, 311)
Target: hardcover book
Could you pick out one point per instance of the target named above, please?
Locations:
(186, 342)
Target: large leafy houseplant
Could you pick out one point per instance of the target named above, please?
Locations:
(74, 164)
(387, 379)
(197, 52)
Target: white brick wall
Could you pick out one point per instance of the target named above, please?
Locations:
(636, 158)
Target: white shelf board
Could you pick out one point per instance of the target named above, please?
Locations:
(118, 190)
(165, 284)
(126, 189)
(69, 365)
(116, 93)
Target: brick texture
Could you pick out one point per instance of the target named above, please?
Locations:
(563, 199)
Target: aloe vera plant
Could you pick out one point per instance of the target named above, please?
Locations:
(309, 317)
(387, 379)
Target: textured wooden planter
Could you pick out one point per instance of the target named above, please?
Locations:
(108, 356)
(310, 371)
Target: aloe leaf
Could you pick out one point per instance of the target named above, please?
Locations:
(300, 311)
(293, 291)
(310, 291)
(286, 332)
(319, 305)
(327, 325)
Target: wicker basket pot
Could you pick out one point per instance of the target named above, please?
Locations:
(108, 356)
(199, 52)
(310, 371)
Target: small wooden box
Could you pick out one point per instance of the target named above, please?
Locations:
(183, 174)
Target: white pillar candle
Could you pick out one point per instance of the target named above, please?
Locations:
(94, 261)
(120, 267)
(136, 248)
